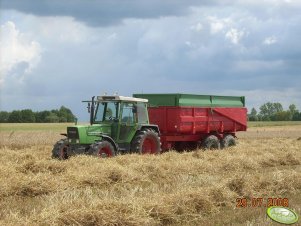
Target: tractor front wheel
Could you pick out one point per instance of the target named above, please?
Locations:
(59, 150)
(146, 141)
(103, 149)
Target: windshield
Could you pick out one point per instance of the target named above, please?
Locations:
(106, 111)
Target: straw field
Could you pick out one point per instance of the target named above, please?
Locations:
(190, 188)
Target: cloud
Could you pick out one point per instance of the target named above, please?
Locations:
(218, 24)
(270, 40)
(112, 12)
(210, 48)
(62, 29)
(234, 35)
(104, 12)
(17, 48)
(197, 27)
(257, 97)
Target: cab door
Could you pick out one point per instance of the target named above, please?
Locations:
(128, 122)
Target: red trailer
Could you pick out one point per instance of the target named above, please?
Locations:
(189, 121)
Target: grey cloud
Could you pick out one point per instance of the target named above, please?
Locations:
(103, 12)
(165, 55)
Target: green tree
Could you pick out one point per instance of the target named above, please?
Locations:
(4, 115)
(282, 116)
(253, 115)
(292, 108)
(268, 111)
(28, 115)
(297, 116)
(265, 111)
(277, 107)
(15, 116)
(41, 116)
(52, 117)
(65, 115)
(294, 113)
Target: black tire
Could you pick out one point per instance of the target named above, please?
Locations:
(228, 141)
(146, 141)
(211, 142)
(59, 150)
(103, 149)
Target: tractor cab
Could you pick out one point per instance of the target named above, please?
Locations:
(119, 109)
(118, 124)
(123, 116)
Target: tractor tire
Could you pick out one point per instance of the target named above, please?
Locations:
(59, 150)
(211, 142)
(146, 141)
(228, 141)
(103, 149)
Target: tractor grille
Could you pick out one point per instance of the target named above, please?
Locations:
(72, 133)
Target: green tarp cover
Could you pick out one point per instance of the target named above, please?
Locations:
(178, 99)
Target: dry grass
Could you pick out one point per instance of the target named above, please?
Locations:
(193, 188)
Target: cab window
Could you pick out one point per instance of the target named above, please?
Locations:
(106, 111)
(142, 113)
(128, 113)
(99, 112)
(111, 111)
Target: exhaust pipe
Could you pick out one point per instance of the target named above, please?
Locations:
(92, 111)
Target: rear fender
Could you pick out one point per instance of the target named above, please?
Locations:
(149, 126)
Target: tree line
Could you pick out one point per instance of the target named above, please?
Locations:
(267, 112)
(275, 112)
(27, 115)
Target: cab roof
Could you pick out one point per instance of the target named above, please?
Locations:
(120, 98)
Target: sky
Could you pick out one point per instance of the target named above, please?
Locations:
(60, 52)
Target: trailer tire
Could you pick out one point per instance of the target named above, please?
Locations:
(103, 149)
(59, 150)
(211, 142)
(228, 141)
(146, 141)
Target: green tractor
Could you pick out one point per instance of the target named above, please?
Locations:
(118, 125)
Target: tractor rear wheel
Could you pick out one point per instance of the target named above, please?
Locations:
(146, 141)
(228, 141)
(59, 150)
(103, 149)
(211, 142)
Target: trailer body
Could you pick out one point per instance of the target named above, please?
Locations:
(186, 120)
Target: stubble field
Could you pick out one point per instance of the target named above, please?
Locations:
(190, 188)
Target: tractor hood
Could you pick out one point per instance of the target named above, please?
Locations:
(87, 134)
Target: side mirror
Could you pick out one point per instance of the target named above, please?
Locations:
(89, 107)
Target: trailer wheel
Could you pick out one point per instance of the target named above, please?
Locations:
(103, 149)
(59, 150)
(211, 142)
(228, 141)
(147, 141)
